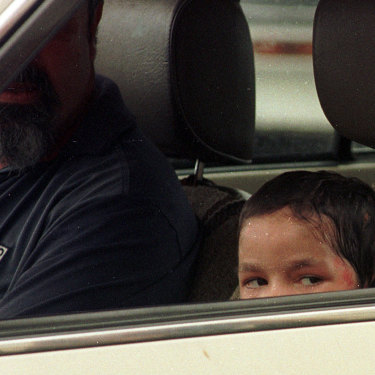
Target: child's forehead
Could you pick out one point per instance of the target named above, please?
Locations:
(284, 224)
(306, 218)
(284, 216)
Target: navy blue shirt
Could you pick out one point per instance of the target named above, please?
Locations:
(105, 225)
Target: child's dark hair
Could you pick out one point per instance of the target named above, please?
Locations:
(349, 203)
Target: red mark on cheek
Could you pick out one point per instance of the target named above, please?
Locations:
(346, 273)
(347, 276)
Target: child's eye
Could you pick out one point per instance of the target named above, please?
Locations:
(310, 280)
(255, 283)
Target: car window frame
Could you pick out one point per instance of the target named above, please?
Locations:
(29, 25)
(155, 324)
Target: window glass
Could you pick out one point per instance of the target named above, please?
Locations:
(357, 148)
(290, 123)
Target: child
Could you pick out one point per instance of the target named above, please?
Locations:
(307, 232)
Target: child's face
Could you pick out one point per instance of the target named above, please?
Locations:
(281, 255)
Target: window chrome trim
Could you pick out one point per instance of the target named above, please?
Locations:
(12, 12)
(27, 25)
(185, 321)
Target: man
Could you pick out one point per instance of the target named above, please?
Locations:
(92, 215)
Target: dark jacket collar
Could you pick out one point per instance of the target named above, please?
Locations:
(105, 121)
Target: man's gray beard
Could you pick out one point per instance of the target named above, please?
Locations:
(26, 135)
(28, 132)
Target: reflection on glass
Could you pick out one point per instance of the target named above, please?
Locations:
(288, 111)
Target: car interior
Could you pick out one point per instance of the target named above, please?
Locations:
(193, 72)
(188, 75)
(189, 80)
(344, 65)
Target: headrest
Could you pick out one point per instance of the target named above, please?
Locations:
(185, 69)
(344, 66)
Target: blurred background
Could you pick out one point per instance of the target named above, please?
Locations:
(290, 123)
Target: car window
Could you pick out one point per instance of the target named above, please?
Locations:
(291, 133)
(290, 125)
(287, 107)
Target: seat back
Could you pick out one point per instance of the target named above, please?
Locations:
(185, 69)
(344, 66)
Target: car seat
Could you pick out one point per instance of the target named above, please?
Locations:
(344, 66)
(185, 69)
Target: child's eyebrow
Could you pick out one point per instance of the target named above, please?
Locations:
(308, 262)
(295, 265)
(249, 267)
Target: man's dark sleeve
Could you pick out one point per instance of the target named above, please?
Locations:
(102, 254)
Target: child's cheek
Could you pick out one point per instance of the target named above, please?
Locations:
(348, 277)
(347, 274)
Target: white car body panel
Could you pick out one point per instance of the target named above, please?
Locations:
(343, 349)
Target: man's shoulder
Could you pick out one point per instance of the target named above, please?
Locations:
(109, 140)
(110, 156)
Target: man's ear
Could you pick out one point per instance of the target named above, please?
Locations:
(93, 28)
